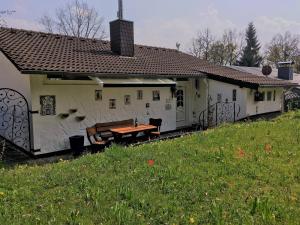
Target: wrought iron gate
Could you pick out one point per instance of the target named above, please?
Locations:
(218, 113)
(14, 118)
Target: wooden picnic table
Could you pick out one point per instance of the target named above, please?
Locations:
(119, 132)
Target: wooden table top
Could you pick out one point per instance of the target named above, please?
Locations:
(133, 129)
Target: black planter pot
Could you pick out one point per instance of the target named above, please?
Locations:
(77, 144)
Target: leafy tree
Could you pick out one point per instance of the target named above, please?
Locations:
(217, 53)
(250, 55)
(283, 47)
(227, 50)
(76, 19)
(223, 51)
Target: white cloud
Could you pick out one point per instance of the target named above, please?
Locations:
(164, 32)
(23, 24)
(267, 27)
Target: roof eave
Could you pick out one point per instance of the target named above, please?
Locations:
(228, 80)
(115, 75)
(279, 85)
(249, 84)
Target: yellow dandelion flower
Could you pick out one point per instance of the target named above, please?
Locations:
(293, 198)
(2, 194)
(192, 220)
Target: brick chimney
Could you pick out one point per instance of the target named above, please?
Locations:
(122, 35)
(285, 70)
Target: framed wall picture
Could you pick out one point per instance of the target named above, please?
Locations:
(98, 95)
(48, 105)
(112, 104)
(127, 100)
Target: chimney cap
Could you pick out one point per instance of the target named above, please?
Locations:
(287, 63)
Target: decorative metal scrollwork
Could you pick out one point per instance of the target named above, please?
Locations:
(14, 118)
(218, 113)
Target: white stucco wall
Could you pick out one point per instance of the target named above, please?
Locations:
(11, 78)
(254, 108)
(245, 98)
(216, 87)
(52, 133)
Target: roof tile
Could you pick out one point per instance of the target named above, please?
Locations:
(44, 53)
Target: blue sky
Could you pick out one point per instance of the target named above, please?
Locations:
(165, 22)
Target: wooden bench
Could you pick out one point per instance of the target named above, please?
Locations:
(100, 135)
(96, 143)
(104, 129)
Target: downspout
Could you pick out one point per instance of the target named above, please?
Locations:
(206, 82)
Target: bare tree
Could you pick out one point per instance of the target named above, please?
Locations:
(2, 13)
(202, 44)
(233, 46)
(283, 47)
(76, 19)
(223, 51)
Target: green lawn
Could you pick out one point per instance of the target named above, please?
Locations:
(236, 174)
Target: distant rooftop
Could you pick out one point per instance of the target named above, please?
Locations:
(258, 71)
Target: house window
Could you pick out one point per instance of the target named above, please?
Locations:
(263, 96)
(274, 96)
(156, 96)
(127, 100)
(98, 95)
(112, 104)
(234, 95)
(269, 96)
(219, 98)
(139, 95)
(48, 105)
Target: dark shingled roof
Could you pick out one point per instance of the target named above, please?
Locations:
(42, 53)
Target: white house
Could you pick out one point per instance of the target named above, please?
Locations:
(54, 86)
(284, 71)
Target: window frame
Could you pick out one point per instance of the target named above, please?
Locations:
(263, 96)
(98, 95)
(234, 95)
(140, 95)
(269, 96)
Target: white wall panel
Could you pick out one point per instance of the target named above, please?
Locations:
(52, 133)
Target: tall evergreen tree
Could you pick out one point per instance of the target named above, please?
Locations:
(250, 56)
